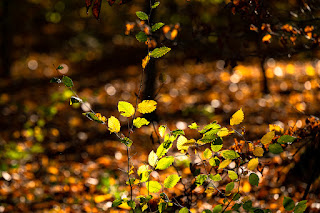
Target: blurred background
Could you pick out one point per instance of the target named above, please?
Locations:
(260, 55)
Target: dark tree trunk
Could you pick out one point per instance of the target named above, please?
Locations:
(6, 39)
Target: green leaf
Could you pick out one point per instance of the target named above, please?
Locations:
(141, 37)
(210, 126)
(232, 175)
(171, 181)
(300, 207)
(152, 158)
(55, 80)
(288, 203)
(74, 100)
(200, 179)
(139, 122)
(214, 161)
(116, 202)
(157, 26)
(217, 209)
(125, 108)
(286, 139)
(206, 211)
(92, 117)
(142, 15)
(126, 141)
(207, 153)
(132, 204)
(177, 132)
(236, 196)
(155, 5)
(153, 186)
(236, 206)
(230, 154)
(247, 205)
(275, 148)
(254, 179)
(67, 81)
(165, 162)
(229, 187)
(159, 52)
(216, 177)
(59, 67)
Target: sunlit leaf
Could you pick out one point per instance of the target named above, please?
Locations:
(210, 190)
(267, 138)
(125, 108)
(200, 179)
(237, 117)
(275, 148)
(207, 153)
(266, 38)
(142, 15)
(288, 203)
(216, 177)
(223, 132)
(258, 151)
(224, 164)
(157, 26)
(232, 175)
(194, 125)
(74, 100)
(126, 141)
(253, 163)
(116, 202)
(139, 122)
(113, 124)
(147, 106)
(67, 81)
(152, 158)
(92, 116)
(145, 61)
(159, 52)
(214, 161)
(230, 154)
(177, 132)
(217, 209)
(165, 162)
(155, 5)
(141, 37)
(153, 186)
(171, 181)
(254, 179)
(162, 130)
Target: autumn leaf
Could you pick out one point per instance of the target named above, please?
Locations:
(96, 8)
(113, 124)
(147, 106)
(125, 108)
(237, 117)
(258, 151)
(253, 163)
(145, 61)
(267, 138)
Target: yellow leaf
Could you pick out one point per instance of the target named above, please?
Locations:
(258, 151)
(253, 163)
(152, 158)
(101, 198)
(147, 106)
(276, 128)
(266, 38)
(267, 138)
(162, 130)
(125, 108)
(113, 124)
(223, 132)
(224, 164)
(125, 206)
(145, 61)
(237, 117)
(139, 122)
(210, 190)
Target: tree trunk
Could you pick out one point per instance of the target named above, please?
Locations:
(6, 39)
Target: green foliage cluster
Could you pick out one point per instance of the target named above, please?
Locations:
(215, 160)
